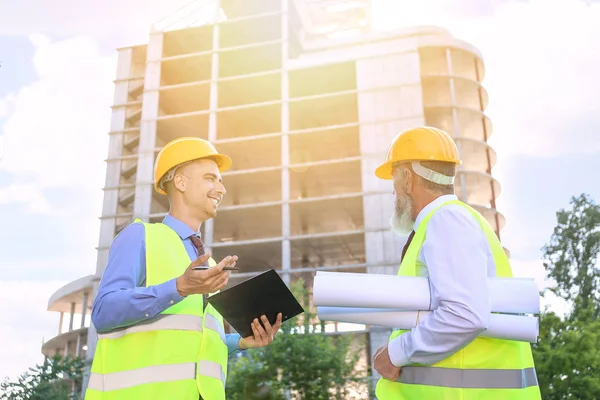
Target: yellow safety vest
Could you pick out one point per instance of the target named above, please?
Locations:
(179, 354)
(485, 369)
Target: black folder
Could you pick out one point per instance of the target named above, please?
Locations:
(264, 294)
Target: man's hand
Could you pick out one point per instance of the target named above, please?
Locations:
(261, 336)
(379, 350)
(383, 364)
(205, 281)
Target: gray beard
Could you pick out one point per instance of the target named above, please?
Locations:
(401, 222)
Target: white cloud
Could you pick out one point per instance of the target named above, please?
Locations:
(542, 77)
(25, 193)
(133, 18)
(40, 267)
(6, 105)
(542, 58)
(56, 134)
(39, 40)
(24, 326)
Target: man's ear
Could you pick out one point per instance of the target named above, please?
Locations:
(179, 182)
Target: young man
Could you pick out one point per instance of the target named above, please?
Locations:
(157, 336)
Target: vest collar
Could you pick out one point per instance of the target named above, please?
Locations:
(432, 206)
(179, 227)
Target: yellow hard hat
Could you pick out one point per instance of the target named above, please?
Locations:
(184, 149)
(423, 143)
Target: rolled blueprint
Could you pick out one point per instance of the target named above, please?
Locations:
(501, 326)
(344, 289)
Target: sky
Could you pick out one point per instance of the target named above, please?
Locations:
(57, 64)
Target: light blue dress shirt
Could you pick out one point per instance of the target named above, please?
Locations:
(457, 259)
(122, 297)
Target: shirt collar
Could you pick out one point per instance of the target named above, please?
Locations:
(432, 206)
(179, 227)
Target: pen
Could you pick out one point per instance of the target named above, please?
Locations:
(224, 269)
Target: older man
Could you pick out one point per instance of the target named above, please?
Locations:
(443, 358)
(158, 336)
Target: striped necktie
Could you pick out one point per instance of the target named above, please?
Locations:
(199, 246)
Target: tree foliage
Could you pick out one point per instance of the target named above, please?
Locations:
(301, 362)
(567, 354)
(571, 256)
(51, 380)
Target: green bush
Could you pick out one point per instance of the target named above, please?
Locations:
(302, 362)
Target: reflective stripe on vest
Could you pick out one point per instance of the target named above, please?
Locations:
(212, 370)
(469, 378)
(180, 322)
(214, 325)
(155, 373)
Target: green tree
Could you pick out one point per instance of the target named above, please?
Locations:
(301, 361)
(571, 256)
(51, 380)
(567, 353)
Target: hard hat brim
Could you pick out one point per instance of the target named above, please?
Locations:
(384, 171)
(223, 161)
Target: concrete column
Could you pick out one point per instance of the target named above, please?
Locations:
(285, 150)
(60, 322)
(115, 151)
(124, 63)
(117, 124)
(78, 346)
(107, 225)
(212, 119)
(145, 171)
(84, 307)
(214, 89)
(71, 316)
(286, 259)
(209, 226)
(285, 207)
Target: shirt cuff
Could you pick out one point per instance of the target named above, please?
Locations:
(232, 341)
(167, 294)
(397, 350)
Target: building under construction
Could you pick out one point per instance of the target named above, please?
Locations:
(305, 98)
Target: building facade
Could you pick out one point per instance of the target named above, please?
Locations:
(305, 98)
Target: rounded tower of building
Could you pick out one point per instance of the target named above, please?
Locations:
(455, 100)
